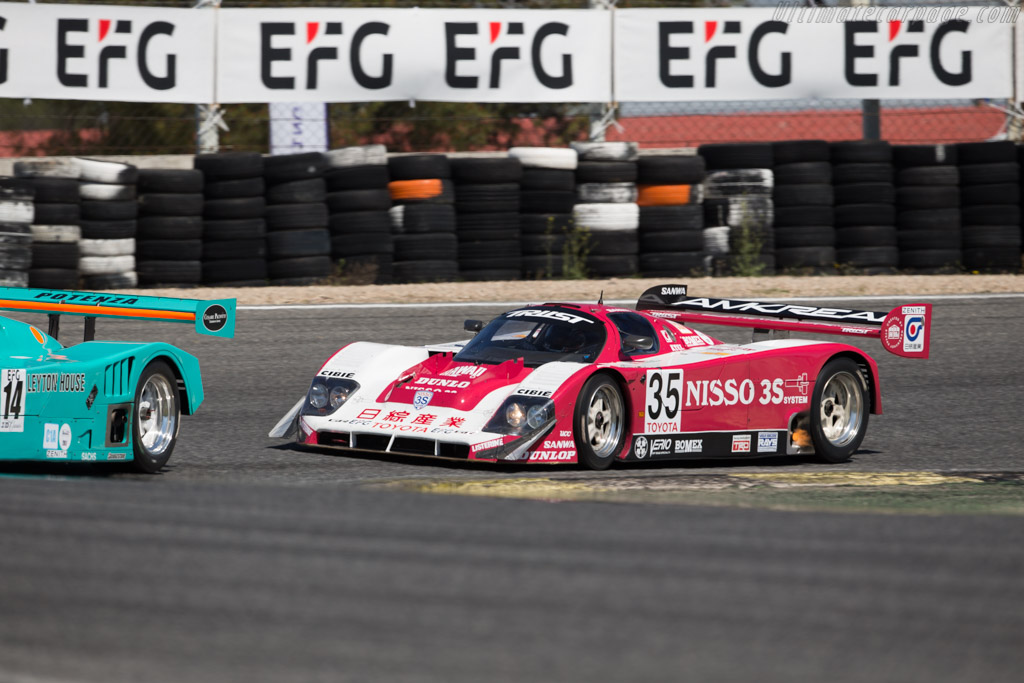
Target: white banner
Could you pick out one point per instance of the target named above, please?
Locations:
(664, 55)
(90, 52)
(360, 55)
(297, 127)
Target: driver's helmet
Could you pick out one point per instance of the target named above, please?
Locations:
(562, 339)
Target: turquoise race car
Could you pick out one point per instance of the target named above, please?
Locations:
(103, 401)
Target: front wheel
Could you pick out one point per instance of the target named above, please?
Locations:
(839, 410)
(599, 422)
(156, 418)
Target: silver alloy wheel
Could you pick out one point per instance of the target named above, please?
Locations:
(158, 420)
(842, 408)
(604, 421)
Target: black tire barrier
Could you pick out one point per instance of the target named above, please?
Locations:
(988, 259)
(805, 257)
(803, 173)
(357, 178)
(869, 256)
(672, 241)
(928, 175)
(486, 171)
(493, 198)
(998, 152)
(379, 244)
(992, 237)
(613, 266)
(229, 166)
(905, 156)
(986, 174)
(550, 179)
(542, 265)
(539, 245)
(254, 248)
(419, 167)
(128, 280)
(866, 236)
(169, 228)
(546, 201)
(929, 219)
(235, 189)
(865, 193)
(800, 151)
(108, 230)
(109, 210)
(861, 152)
(343, 201)
(55, 255)
(169, 250)
(296, 216)
(930, 258)
(425, 271)
(426, 246)
(861, 173)
(1004, 193)
(58, 214)
(672, 264)
(306, 191)
(415, 218)
(863, 214)
(231, 230)
(286, 168)
(356, 223)
(173, 181)
(53, 278)
(803, 195)
(606, 172)
(288, 244)
(665, 218)
(545, 223)
(468, 224)
(493, 274)
(730, 156)
(234, 209)
(795, 216)
(918, 197)
(155, 273)
(913, 240)
(671, 170)
(168, 204)
(999, 214)
(55, 190)
(805, 236)
(302, 266)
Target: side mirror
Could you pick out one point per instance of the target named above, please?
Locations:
(473, 326)
(636, 342)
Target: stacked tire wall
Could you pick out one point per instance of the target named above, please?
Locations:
(16, 215)
(234, 225)
(298, 239)
(990, 199)
(741, 176)
(55, 250)
(606, 207)
(865, 213)
(423, 218)
(109, 224)
(805, 235)
(357, 203)
(670, 195)
(169, 241)
(928, 215)
(547, 195)
(487, 217)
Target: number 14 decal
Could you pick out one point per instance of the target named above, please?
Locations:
(12, 392)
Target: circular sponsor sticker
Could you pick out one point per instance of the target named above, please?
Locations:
(892, 335)
(640, 447)
(215, 318)
(64, 440)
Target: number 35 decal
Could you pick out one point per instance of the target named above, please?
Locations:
(664, 400)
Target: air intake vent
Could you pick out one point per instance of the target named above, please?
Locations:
(116, 379)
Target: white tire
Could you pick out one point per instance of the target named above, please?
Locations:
(16, 211)
(697, 194)
(716, 240)
(106, 192)
(46, 168)
(606, 193)
(545, 157)
(96, 171)
(600, 217)
(751, 212)
(13, 278)
(121, 247)
(56, 233)
(605, 151)
(363, 155)
(397, 215)
(106, 265)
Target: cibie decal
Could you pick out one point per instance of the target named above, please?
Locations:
(741, 443)
(640, 448)
(913, 333)
(421, 399)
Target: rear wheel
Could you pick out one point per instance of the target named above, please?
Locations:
(156, 418)
(599, 422)
(839, 410)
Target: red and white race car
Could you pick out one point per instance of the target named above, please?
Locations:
(590, 383)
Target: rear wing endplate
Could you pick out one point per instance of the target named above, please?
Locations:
(213, 317)
(904, 331)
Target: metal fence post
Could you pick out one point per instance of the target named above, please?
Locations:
(209, 117)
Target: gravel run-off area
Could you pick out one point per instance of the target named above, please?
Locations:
(615, 289)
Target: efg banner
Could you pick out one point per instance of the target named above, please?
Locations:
(361, 55)
(792, 52)
(116, 53)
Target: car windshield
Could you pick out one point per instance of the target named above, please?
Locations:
(537, 336)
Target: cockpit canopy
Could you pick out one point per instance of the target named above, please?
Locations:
(538, 336)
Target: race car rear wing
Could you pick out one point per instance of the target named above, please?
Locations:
(904, 331)
(214, 317)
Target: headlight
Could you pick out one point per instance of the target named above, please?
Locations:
(514, 414)
(318, 395)
(327, 394)
(521, 414)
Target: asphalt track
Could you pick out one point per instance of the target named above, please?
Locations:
(247, 560)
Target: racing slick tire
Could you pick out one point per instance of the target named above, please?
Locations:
(156, 417)
(839, 410)
(599, 422)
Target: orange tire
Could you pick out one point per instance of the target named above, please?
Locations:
(663, 195)
(415, 189)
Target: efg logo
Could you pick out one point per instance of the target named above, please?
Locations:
(320, 42)
(215, 318)
(505, 41)
(906, 44)
(105, 42)
(721, 46)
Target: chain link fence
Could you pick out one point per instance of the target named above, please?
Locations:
(49, 127)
